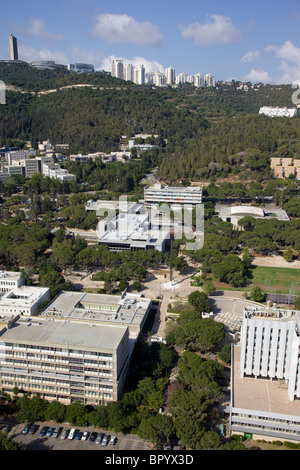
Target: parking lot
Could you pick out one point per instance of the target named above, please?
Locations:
(36, 442)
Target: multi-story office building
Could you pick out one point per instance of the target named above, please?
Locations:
(265, 385)
(13, 47)
(174, 195)
(62, 360)
(77, 349)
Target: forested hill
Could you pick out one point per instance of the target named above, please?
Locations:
(204, 127)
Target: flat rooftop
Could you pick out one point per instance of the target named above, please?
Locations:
(10, 275)
(24, 296)
(64, 334)
(261, 394)
(112, 310)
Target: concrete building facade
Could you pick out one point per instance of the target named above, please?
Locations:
(265, 386)
(179, 195)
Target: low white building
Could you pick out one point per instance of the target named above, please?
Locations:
(24, 300)
(10, 280)
(233, 214)
(278, 112)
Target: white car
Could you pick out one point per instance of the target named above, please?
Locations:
(85, 436)
(113, 440)
(72, 433)
(105, 440)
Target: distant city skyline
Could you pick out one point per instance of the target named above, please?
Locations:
(258, 43)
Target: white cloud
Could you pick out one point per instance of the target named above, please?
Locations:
(251, 56)
(31, 54)
(150, 66)
(124, 28)
(219, 29)
(257, 75)
(290, 61)
(37, 28)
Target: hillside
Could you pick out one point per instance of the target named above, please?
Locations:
(206, 129)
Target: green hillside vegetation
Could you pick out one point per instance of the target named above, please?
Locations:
(210, 132)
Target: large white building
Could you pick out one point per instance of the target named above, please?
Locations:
(177, 195)
(132, 230)
(265, 384)
(78, 349)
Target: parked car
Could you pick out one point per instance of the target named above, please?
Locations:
(99, 438)
(169, 446)
(85, 436)
(105, 440)
(65, 434)
(50, 432)
(43, 431)
(113, 440)
(57, 432)
(72, 433)
(78, 435)
(33, 429)
(26, 428)
(93, 436)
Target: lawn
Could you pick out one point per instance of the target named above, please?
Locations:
(276, 280)
(270, 280)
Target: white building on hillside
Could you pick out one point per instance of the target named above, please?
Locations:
(178, 195)
(278, 112)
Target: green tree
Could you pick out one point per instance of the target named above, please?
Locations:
(256, 294)
(156, 428)
(199, 301)
(288, 254)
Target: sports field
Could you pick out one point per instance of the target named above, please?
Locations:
(276, 280)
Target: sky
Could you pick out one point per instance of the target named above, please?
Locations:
(256, 41)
